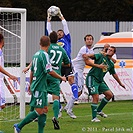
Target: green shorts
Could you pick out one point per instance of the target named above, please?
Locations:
(39, 99)
(53, 85)
(95, 87)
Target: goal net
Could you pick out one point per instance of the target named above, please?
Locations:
(13, 28)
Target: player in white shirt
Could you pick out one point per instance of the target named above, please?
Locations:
(104, 51)
(78, 66)
(2, 72)
(79, 63)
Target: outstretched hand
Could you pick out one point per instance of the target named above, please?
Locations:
(63, 78)
(103, 53)
(103, 66)
(25, 70)
(85, 56)
(29, 92)
(59, 14)
(49, 16)
(123, 85)
(14, 78)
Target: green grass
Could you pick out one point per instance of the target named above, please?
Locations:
(120, 120)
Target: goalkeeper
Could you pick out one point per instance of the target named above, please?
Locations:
(64, 40)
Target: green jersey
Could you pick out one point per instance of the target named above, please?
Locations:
(40, 67)
(57, 55)
(100, 73)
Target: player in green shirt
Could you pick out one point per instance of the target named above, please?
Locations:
(96, 84)
(38, 86)
(58, 56)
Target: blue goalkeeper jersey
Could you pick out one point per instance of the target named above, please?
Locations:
(65, 42)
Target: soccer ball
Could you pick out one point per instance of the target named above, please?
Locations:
(53, 10)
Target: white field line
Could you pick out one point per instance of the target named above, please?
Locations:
(66, 117)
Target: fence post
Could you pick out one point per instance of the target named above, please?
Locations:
(117, 26)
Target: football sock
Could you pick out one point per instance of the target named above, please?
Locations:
(102, 104)
(74, 88)
(94, 110)
(56, 108)
(71, 104)
(41, 123)
(30, 117)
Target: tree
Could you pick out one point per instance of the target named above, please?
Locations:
(114, 10)
(76, 10)
(5, 3)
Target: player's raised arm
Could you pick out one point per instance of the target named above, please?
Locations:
(49, 17)
(64, 22)
(60, 15)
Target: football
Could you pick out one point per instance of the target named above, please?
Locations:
(53, 10)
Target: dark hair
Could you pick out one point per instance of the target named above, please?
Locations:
(44, 41)
(60, 30)
(53, 37)
(1, 37)
(88, 35)
(113, 48)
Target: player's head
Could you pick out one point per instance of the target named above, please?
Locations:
(53, 37)
(44, 41)
(89, 39)
(1, 40)
(106, 46)
(111, 51)
(60, 33)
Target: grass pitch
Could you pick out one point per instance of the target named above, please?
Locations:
(119, 120)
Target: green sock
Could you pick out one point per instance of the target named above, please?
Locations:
(102, 104)
(30, 117)
(41, 123)
(94, 110)
(56, 108)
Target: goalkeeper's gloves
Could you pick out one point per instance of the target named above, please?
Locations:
(59, 14)
(49, 17)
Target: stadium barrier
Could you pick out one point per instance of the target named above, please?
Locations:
(13, 88)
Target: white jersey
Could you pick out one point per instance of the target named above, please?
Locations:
(78, 62)
(78, 66)
(114, 56)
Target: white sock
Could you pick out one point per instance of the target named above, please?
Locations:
(66, 107)
(71, 104)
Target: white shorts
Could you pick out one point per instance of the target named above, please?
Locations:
(2, 93)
